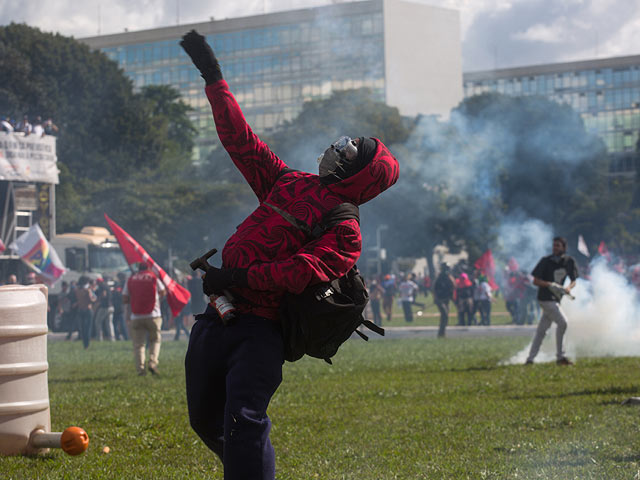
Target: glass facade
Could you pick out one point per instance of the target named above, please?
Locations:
(608, 99)
(272, 70)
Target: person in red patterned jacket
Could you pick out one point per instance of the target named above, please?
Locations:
(233, 370)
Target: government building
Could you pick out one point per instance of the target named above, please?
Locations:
(407, 53)
(605, 92)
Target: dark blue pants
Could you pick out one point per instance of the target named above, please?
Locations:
(231, 374)
(408, 314)
(85, 317)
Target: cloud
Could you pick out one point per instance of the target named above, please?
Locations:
(496, 33)
(541, 33)
(545, 31)
(81, 19)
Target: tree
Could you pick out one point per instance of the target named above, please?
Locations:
(120, 152)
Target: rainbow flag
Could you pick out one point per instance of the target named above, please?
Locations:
(34, 250)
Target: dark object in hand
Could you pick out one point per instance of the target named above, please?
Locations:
(201, 262)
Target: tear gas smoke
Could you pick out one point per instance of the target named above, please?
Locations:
(603, 320)
(525, 239)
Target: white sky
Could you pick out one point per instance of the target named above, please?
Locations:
(495, 33)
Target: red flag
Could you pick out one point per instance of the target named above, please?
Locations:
(177, 295)
(604, 251)
(487, 267)
(513, 265)
(2, 247)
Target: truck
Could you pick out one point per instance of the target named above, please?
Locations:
(94, 252)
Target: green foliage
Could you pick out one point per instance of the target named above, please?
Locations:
(91, 100)
(124, 153)
(387, 409)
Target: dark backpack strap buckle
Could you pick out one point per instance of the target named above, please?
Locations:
(372, 326)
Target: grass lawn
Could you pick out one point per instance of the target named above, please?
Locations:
(387, 409)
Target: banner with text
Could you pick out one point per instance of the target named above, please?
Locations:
(28, 159)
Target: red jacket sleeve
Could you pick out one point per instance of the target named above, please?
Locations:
(321, 260)
(257, 163)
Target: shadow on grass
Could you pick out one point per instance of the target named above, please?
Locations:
(571, 461)
(478, 368)
(626, 458)
(86, 379)
(596, 391)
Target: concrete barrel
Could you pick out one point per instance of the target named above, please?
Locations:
(24, 391)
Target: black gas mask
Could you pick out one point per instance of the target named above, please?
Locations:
(345, 157)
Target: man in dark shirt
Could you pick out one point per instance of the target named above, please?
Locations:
(549, 276)
(442, 295)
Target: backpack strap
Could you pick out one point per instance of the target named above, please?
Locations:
(372, 326)
(338, 214)
(344, 211)
(300, 225)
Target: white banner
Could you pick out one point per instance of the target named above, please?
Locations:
(28, 159)
(582, 246)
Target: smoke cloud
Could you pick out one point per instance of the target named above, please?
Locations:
(527, 240)
(603, 320)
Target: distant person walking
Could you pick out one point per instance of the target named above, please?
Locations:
(389, 286)
(375, 296)
(407, 293)
(482, 298)
(74, 322)
(119, 325)
(103, 318)
(143, 292)
(464, 299)
(442, 294)
(64, 307)
(85, 300)
(549, 276)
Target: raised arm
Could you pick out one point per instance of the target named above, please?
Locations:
(257, 163)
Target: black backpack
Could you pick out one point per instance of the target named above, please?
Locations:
(319, 320)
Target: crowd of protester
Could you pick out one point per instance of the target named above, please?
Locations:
(473, 294)
(92, 308)
(38, 127)
(468, 289)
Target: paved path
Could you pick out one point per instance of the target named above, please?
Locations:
(399, 332)
(455, 331)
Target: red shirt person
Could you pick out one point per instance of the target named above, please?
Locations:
(143, 291)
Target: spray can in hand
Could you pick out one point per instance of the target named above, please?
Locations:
(224, 307)
(222, 304)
